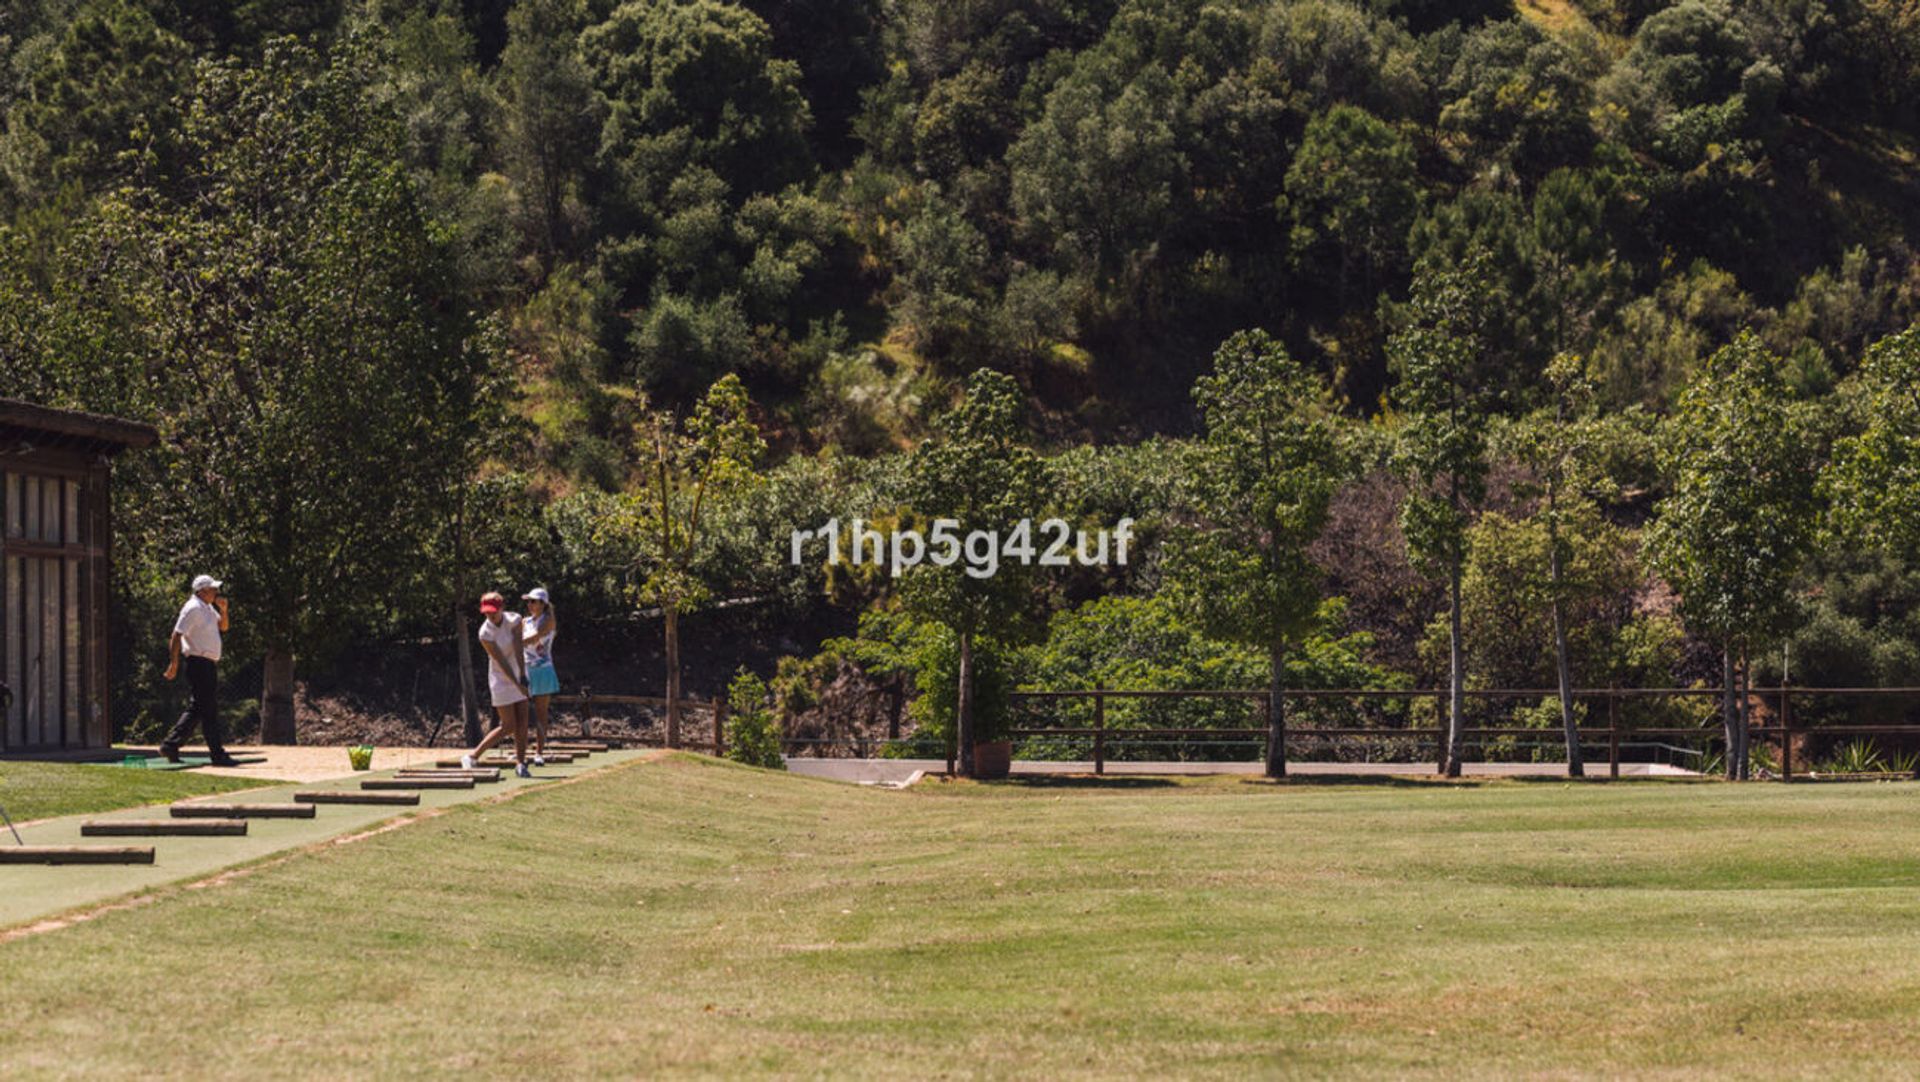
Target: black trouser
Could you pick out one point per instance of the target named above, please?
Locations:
(203, 677)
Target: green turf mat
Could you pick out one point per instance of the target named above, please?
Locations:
(187, 762)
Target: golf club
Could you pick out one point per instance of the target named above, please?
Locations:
(6, 704)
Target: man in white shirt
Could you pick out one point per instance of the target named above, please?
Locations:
(196, 634)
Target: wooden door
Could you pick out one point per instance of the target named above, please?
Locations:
(43, 594)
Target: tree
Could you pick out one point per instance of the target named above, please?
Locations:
(1350, 192)
(1264, 476)
(692, 85)
(1874, 480)
(975, 479)
(1095, 176)
(1738, 519)
(664, 523)
(1561, 445)
(280, 309)
(100, 108)
(1442, 449)
(550, 116)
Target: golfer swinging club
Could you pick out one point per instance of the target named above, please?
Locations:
(500, 637)
(197, 635)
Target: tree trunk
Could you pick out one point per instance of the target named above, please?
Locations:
(1576, 767)
(963, 707)
(469, 709)
(1729, 714)
(470, 729)
(1746, 718)
(1456, 673)
(673, 677)
(896, 704)
(1276, 711)
(276, 697)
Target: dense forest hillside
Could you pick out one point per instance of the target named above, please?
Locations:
(427, 297)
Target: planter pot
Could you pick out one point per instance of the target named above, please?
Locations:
(993, 759)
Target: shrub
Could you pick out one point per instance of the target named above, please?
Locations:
(753, 735)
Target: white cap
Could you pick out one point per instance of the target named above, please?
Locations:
(206, 582)
(538, 593)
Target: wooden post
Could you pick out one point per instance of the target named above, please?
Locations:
(1613, 735)
(1277, 730)
(1786, 734)
(719, 726)
(1099, 731)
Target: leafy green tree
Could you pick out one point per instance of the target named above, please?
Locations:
(551, 115)
(1442, 451)
(976, 480)
(664, 523)
(99, 107)
(1518, 98)
(1350, 192)
(692, 85)
(1264, 476)
(1874, 480)
(943, 262)
(1094, 177)
(1564, 448)
(280, 309)
(1739, 517)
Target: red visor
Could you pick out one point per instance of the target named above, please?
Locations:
(489, 607)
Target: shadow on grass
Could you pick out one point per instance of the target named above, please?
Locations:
(1087, 781)
(1386, 781)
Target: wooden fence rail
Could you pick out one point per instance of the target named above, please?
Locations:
(1612, 732)
(1102, 733)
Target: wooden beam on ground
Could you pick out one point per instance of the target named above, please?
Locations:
(242, 811)
(451, 771)
(483, 777)
(117, 828)
(350, 796)
(76, 854)
(417, 783)
(556, 759)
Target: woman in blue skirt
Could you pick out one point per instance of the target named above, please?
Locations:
(541, 626)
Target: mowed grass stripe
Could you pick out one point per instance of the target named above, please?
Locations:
(697, 917)
(32, 791)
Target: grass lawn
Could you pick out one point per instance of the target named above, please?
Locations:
(701, 918)
(44, 790)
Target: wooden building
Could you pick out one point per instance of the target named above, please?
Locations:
(56, 538)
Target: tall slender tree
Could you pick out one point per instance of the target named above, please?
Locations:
(665, 521)
(1442, 450)
(1263, 479)
(974, 478)
(1561, 445)
(1739, 517)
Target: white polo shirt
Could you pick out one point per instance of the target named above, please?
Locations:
(199, 628)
